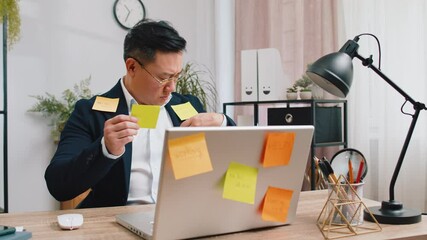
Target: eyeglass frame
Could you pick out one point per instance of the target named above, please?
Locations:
(161, 82)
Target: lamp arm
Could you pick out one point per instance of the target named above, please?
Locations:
(367, 62)
(418, 106)
(402, 153)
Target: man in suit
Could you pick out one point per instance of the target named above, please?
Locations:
(108, 152)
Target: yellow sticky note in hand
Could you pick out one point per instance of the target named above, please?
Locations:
(147, 115)
(105, 104)
(276, 204)
(240, 183)
(185, 110)
(189, 155)
(278, 149)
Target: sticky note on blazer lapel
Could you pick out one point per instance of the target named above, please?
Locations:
(105, 104)
(185, 110)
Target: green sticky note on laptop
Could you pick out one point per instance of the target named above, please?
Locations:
(147, 115)
(240, 183)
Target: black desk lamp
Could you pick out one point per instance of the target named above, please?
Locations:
(334, 73)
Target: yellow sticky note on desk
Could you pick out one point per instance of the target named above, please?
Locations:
(240, 183)
(147, 115)
(189, 155)
(105, 104)
(278, 148)
(185, 110)
(276, 204)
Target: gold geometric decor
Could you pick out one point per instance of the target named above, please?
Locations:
(342, 214)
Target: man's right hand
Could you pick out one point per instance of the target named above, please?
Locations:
(118, 131)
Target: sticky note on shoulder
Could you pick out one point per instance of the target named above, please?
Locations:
(278, 148)
(105, 104)
(185, 110)
(147, 115)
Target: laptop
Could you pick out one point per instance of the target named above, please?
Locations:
(249, 178)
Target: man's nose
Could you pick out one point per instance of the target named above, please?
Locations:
(170, 86)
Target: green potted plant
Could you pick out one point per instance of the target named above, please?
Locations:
(197, 80)
(291, 93)
(304, 85)
(59, 110)
(9, 10)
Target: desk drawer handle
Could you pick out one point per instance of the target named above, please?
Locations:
(289, 118)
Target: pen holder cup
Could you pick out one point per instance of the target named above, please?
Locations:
(345, 203)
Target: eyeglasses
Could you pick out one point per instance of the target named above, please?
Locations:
(161, 82)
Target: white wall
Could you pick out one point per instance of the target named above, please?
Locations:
(63, 42)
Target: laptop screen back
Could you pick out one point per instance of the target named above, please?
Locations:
(219, 180)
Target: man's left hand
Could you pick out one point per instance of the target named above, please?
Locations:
(204, 119)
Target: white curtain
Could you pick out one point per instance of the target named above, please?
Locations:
(376, 125)
(224, 51)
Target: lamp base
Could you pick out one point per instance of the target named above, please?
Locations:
(392, 212)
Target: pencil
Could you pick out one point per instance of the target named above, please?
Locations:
(350, 172)
(359, 173)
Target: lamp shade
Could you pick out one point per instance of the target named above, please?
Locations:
(333, 73)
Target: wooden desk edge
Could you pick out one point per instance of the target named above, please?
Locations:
(100, 223)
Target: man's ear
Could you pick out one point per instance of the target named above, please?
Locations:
(130, 65)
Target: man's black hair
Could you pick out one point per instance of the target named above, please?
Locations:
(148, 36)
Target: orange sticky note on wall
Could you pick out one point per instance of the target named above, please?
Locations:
(189, 155)
(240, 183)
(278, 149)
(276, 204)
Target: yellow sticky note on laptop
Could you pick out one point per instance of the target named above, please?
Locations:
(185, 110)
(240, 183)
(105, 104)
(278, 148)
(189, 155)
(276, 204)
(147, 115)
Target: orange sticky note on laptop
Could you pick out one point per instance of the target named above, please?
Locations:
(189, 155)
(278, 149)
(276, 204)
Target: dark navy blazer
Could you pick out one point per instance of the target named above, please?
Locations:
(79, 163)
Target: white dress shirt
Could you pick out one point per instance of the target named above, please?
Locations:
(147, 149)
